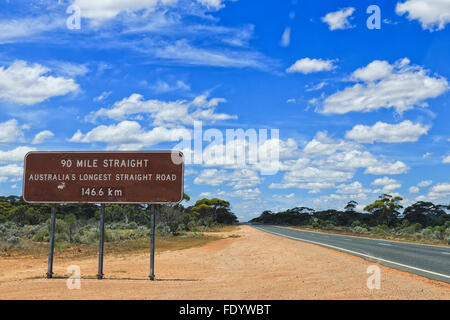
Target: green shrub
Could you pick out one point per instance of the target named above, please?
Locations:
(355, 224)
(315, 225)
(359, 229)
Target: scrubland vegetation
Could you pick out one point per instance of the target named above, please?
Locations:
(23, 226)
(422, 221)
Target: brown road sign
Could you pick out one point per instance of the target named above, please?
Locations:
(103, 177)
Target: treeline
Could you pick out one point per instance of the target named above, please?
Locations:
(79, 222)
(384, 212)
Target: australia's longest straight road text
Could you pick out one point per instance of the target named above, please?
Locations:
(432, 262)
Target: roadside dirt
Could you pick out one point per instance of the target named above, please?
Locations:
(255, 265)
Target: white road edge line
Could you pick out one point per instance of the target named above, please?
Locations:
(374, 239)
(361, 254)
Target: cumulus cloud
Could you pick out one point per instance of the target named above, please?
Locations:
(162, 112)
(130, 135)
(375, 70)
(307, 65)
(439, 191)
(10, 131)
(29, 84)
(42, 136)
(10, 171)
(339, 20)
(353, 188)
(15, 155)
(383, 181)
(413, 189)
(432, 14)
(405, 131)
(388, 185)
(325, 161)
(401, 87)
(381, 168)
(446, 159)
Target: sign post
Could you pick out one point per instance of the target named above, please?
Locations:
(102, 241)
(153, 177)
(51, 242)
(152, 242)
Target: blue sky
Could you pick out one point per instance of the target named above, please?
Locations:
(359, 111)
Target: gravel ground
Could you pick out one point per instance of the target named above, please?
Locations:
(255, 265)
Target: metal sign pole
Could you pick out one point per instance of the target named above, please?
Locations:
(152, 242)
(52, 242)
(102, 238)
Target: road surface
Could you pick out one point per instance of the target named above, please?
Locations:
(432, 262)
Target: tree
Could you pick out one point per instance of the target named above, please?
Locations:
(71, 222)
(425, 213)
(217, 209)
(351, 206)
(385, 209)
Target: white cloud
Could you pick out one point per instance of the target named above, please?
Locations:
(286, 37)
(213, 4)
(380, 168)
(326, 161)
(102, 10)
(164, 113)
(184, 53)
(404, 87)
(414, 189)
(10, 131)
(388, 185)
(68, 69)
(432, 14)
(405, 131)
(425, 183)
(164, 87)
(439, 191)
(375, 70)
(316, 87)
(446, 159)
(238, 179)
(321, 144)
(246, 194)
(353, 188)
(383, 181)
(103, 96)
(15, 155)
(307, 65)
(10, 171)
(14, 29)
(339, 20)
(42, 136)
(23, 84)
(130, 135)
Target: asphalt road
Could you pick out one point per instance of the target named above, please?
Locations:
(428, 261)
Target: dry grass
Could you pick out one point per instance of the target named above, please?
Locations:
(224, 228)
(40, 250)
